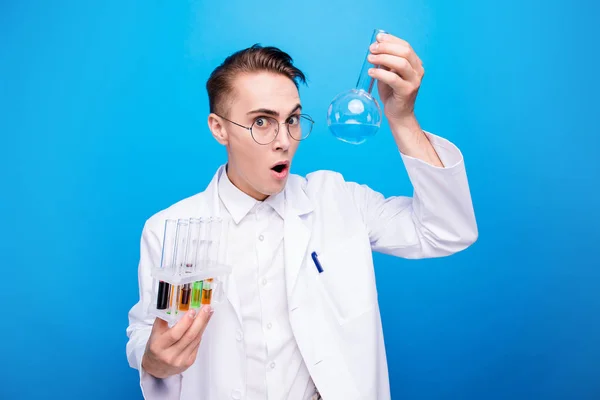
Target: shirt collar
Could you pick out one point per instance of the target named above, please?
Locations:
(239, 204)
(277, 202)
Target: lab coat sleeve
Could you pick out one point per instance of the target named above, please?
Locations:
(438, 220)
(140, 322)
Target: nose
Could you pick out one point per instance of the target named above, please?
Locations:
(282, 141)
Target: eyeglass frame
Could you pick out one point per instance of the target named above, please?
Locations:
(278, 124)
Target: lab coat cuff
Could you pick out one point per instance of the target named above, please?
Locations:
(157, 388)
(160, 388)
(449, 154)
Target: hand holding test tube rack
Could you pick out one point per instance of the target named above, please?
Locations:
(193, 266)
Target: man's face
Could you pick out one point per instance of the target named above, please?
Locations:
(261, 170)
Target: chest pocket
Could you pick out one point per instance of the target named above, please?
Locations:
(347, 283)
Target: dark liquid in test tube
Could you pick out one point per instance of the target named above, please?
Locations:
(184, 302)
(162, 301)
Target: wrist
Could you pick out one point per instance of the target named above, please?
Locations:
(148, 367)
(407, 131)
(407, 125)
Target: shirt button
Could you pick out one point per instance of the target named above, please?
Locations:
(272, 365)
(269, 325)
(239, 336)
(261, 238)
(264, 281)
(236, 394)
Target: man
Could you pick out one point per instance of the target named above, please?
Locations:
(300, 319)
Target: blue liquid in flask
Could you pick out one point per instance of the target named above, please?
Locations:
(353, 133)
(354, 115)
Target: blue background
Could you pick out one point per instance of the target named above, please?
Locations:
(103, 123)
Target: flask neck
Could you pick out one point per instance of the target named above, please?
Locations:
(365, 82)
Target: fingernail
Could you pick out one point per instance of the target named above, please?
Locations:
(380, 37)
(206, 308)
(374, 46)
(192, 314)
(371, 71)
(371, 57)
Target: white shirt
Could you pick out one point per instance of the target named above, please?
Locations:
(273, 361)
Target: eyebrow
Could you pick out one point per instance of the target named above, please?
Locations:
(273, 112)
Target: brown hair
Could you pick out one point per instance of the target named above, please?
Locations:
(253, 59)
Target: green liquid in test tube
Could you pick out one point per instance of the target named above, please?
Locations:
(196, 294)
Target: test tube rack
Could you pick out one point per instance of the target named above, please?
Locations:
(193, 266)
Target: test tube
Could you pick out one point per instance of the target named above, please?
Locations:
(207, 291)
(198, 262)
(184, 297)
(173, 293)
(196, 294)
(162, 295)
(185, 293)
(206, 241)
(213, 245)
(192, 246)
(166, 263)
(200, 250)
(218, 289)
(181, 296)
(181, 244)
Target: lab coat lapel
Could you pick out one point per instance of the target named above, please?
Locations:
(214, 208)
(297, 230)
(295, 242)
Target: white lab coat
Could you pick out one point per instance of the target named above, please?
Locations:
(335, 314)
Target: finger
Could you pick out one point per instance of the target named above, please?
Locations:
(188, 356)
(174, 334)
(392, 79)
(397, 49)
(192, 348)
(388, 37)
(399, 65)
(193, 353)
(196, 341)
(195, 331)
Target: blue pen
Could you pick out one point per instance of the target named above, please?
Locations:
(316, 261)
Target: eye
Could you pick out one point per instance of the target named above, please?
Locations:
(294, 120)
(260, 122)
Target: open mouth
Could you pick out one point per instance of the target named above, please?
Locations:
(280, 170)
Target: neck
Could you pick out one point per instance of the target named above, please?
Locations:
(242, 185)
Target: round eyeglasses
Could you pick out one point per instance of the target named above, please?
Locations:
(264, 129)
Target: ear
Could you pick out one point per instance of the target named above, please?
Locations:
(215, 124)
